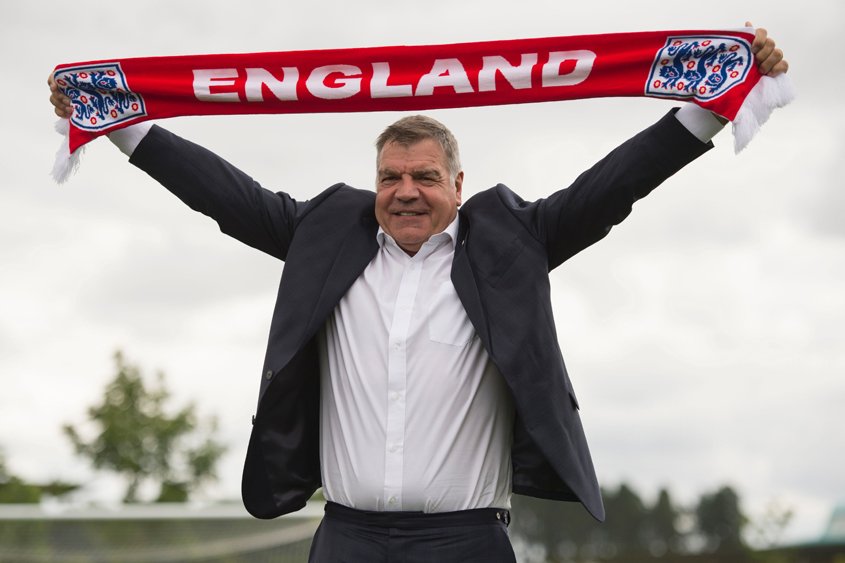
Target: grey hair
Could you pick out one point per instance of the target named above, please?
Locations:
(415, 128)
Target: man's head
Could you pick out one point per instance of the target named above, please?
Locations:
(418, 180)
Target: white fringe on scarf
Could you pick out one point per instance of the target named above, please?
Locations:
(766, 96)
(66, 163)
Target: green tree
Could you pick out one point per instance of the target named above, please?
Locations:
(625, 527)
(135, 437)
(662, 526)
(767, 530)
(14, 489)
(720, 521)
(564, 529)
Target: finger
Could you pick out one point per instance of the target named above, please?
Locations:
(61, 108)
(768, 61)
(780, 68)
(777, 68)
(61, 104)
(761, 37)
(59, 99)
(62, 112)
(766, 52)
(54, 89)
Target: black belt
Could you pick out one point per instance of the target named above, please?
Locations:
(416, 520)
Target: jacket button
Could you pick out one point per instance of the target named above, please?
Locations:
(269, 375)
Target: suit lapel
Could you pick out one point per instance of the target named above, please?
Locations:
(465, 286)
(301, 311)
(356, 251)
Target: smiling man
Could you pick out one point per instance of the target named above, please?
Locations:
(413, 369)
(418, 181)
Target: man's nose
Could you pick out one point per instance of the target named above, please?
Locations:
(407, 188)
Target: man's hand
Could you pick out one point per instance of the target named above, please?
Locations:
(61, 103)
(769, 59)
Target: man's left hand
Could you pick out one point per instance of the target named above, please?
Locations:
(769, 58)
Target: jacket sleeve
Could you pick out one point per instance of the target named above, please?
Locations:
(207, 183)
(572, 219)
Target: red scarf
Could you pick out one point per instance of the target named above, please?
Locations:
(714, 69)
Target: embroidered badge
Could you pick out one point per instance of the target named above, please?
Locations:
(698, 67)
(99, 95)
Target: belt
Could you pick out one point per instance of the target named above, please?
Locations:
(416, 520)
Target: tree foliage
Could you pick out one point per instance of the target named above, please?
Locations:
(135, 437)
(662, 529)
(721, 521)
(625, 528)
(634, 529)
(14, 489)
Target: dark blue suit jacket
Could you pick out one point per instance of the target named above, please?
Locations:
(505, 251)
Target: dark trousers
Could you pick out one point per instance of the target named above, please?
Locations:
(347, 535)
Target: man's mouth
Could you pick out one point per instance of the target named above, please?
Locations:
(408, 213)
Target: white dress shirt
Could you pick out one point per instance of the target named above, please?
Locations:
(414, 416)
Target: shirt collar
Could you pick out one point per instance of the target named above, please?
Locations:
(448, 235)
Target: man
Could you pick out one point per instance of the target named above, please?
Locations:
(412, 368)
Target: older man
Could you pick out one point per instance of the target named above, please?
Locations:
(412, 368)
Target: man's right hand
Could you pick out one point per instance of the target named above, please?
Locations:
(61, 103)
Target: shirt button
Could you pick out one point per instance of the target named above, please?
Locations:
(269, 375)
(395, 396)
(391, 501)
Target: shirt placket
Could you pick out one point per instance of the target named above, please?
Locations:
(397, 382)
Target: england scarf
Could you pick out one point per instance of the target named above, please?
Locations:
(714, 69)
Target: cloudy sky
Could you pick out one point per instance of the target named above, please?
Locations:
(704, 335)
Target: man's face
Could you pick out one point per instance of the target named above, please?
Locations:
(415, 197)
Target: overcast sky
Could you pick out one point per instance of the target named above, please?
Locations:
(704, 335)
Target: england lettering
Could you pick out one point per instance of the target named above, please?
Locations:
(341, 81)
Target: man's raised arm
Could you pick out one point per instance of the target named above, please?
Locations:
(572, 219)
(205, 182)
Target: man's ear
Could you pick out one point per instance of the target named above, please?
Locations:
(459, 182)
